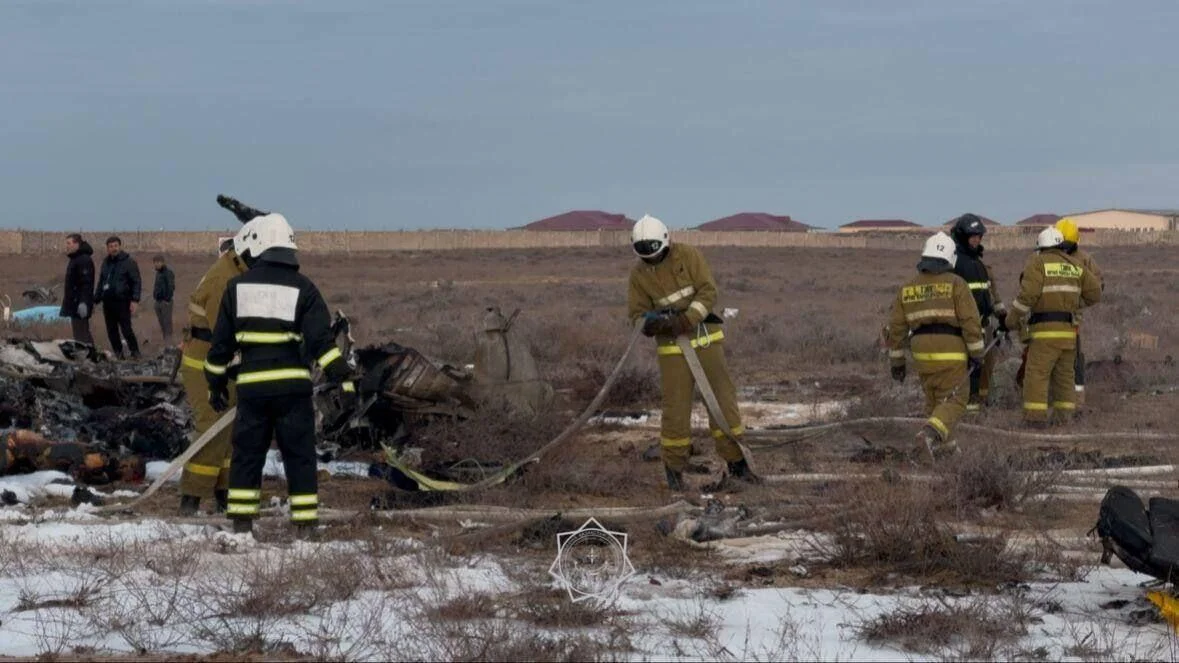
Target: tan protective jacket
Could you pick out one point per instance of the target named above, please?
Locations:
(936, 302)
(205, 302)
(1089, 265)
(683, 282)
(1052, 289)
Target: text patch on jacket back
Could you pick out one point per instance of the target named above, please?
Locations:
(1062, 269)
(262, 300)
(911, 294)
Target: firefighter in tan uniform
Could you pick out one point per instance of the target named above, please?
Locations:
(936, 315)
(1052, 288)
(1068, 229)
(672, 287)
(207, 474)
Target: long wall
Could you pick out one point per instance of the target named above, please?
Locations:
(40, 242)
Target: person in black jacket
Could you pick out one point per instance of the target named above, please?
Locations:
(118, 292)
(162, 292)
(968, 231)
(278, 320)
(77, 301)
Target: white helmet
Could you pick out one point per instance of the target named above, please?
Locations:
(940, 246)
(1049, 237)
(649, 237)
(241, 240)
(269, 232)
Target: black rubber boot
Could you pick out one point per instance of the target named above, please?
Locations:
(222, 497)
(740, 471)
(243, 525)
(189, 505)
(675, 480)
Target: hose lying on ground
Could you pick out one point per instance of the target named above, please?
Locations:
(564, 435)
(811, 430)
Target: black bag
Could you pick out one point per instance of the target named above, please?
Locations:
(1124, 527)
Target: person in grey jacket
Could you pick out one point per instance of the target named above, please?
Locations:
(118, 291)
(77, 301)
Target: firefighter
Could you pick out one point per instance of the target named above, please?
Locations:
(672, 287)
(1052, 288)
(967, 233)
(937, 316)
(275, 316)
(207, 474)
(1068, 229)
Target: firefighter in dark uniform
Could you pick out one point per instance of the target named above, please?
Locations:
(278, 320)
(967, 232)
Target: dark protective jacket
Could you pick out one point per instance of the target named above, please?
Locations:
(977, 275)
(119, 279)
(79, 282)
(165, 285)
(279, 321)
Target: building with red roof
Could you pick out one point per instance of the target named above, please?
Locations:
(988, 222)
(582, 220)
(755, 221)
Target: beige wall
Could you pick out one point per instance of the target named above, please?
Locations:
(1006, 237)
(1122, 220)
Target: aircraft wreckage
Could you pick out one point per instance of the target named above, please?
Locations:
(67, 406)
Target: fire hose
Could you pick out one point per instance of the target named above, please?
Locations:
(573, 427)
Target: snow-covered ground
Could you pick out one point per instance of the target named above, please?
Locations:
(72, 582)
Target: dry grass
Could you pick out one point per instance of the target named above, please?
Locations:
(979, 628)
(902, 530)
(809, 322)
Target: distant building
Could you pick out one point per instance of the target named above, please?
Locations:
(1127, 219)
(582, 220)
(879, 225)
(989, 223)
(1038, 221)
(755, 221)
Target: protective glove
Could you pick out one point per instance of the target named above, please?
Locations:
(219, 398)
(973, 364)
(660, 325)
(898, 373)
(83, 310)
(1011, 321)
(1002, 328)
(681, 325)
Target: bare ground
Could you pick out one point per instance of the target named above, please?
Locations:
(807, 332)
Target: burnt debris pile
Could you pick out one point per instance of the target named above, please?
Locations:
(84, 409)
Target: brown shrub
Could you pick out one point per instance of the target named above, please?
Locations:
(899, 529)
(983, 477)
(976, 629)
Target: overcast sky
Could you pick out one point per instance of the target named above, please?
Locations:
(491, 113)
